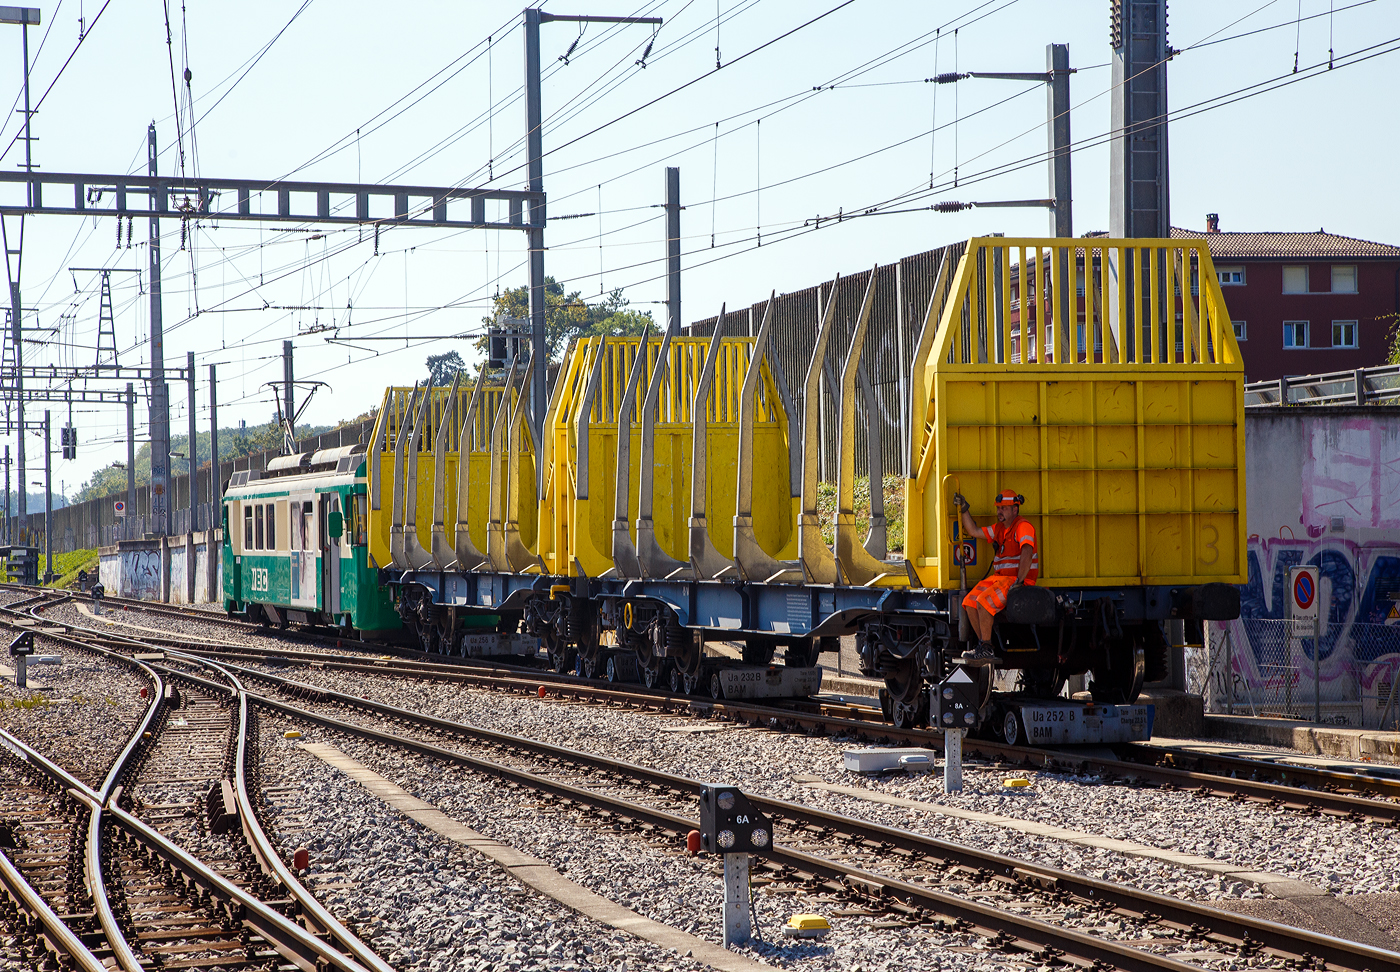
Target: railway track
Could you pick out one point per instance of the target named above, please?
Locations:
(653, 802)
(811, 859)
(152, 902)
(1302, 789)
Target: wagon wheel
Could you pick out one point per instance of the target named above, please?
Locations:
(656, 675)
(444, 635)
(589, 636)
(906, 688)
(758, 650)
(1118, 681)
(692, 655)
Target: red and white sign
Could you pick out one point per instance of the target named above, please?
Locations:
(1304, 600)
(119, 507)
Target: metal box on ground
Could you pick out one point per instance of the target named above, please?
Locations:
(873, 760)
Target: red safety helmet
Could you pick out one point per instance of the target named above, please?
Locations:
(1009, 497)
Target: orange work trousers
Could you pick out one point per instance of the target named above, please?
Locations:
(990, 593)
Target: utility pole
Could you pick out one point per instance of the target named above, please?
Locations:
(6, 531)
(535, 174)
(288, 384)
(216, 490)
(48, 502)
(1139, 187)
(194, 444)
(535, 156)
(160, 394)
(673, 250)
(130, 455)
(14, 256)
(1057, 95)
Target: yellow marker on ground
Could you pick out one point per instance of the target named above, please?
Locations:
(292, 734)
(806, 926)
(1016, 781)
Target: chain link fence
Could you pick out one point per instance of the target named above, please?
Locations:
(1349, 676)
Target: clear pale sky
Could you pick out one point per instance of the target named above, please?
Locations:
(415, 79)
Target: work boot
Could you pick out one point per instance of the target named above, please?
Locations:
(981, 655)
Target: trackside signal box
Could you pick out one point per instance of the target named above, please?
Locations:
(731, 824)
(956, 701)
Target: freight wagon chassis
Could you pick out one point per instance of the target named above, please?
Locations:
(908, 638)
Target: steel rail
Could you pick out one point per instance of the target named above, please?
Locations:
(298, 945)
(295, 943)
(271, 862)
(1266, 781)
(56, 931)
(1028, 931)
(1352, 805)
(1239, 929)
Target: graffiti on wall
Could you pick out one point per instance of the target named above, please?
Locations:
(1352, 470)
(140, 574)
(1353, 661)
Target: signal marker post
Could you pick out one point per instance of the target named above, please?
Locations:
(731, 825)
(952, 760)
(955, 700)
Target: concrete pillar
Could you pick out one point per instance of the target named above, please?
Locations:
(189, 563)
(165, 569)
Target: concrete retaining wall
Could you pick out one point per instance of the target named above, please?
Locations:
(180, 570)
(1324, 489)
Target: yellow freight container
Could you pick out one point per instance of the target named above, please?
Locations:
(416, 483)
(607, 411)
(1101, 380)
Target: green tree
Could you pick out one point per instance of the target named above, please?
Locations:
(442, 368)
(567, 315)
(1393, 353)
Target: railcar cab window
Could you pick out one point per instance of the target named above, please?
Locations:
(361, 531)
(271, 527)
(247, 528)
(258, 529)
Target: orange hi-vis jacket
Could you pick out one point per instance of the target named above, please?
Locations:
(1008, 541)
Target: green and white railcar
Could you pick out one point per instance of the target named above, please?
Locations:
(296, 544)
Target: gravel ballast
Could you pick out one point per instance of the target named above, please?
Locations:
(352, 834)
(84, 715)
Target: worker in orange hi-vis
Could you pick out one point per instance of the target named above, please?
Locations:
(1015, 561)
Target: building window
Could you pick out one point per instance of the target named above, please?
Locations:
(1230, 276)
(1343, 334)
(1295, 334)
(1241, 331)
(1295, 280)
(1344, 280)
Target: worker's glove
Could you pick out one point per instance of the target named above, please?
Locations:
(1018, 584)
(960, 502)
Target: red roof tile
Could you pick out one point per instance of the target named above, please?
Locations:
(1297, 246)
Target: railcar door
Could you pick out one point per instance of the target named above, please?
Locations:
(303, 553)
(332, 530)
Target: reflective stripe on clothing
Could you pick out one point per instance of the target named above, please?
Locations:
(1008, 541)
(990, 593)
